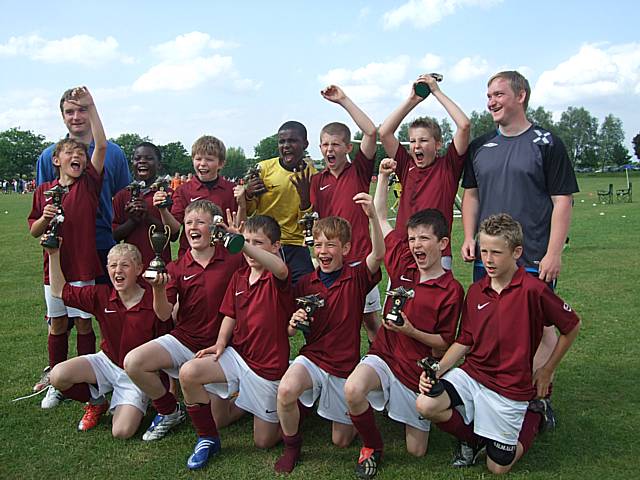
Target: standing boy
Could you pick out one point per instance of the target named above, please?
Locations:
(252, 350)
(486, 399)
(428, 181)
(332, 345)
(387, 377)
(80, 262)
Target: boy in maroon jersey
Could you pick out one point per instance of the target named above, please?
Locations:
(332, 347)
(333, 189)
(387, 377)
(126, 318)
(252, 350)
(209, 154)
(198, 280)
(80, 262)
(132, 217)
(428, 181)
(485, 400)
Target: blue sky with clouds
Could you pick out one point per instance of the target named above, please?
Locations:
(237, 70)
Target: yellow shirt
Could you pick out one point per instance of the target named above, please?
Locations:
(280, 201)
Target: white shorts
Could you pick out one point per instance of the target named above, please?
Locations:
(179, 353)
(372, 302)
(330, 389)
(57, 308)
(112, 378)
(494, 416)
(256, 395)
(399, 400)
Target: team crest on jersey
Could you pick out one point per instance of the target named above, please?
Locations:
(542, 137)
(490, 144)
(567, 307)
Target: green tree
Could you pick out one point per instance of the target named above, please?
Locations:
(620, 155)
(610, 139)
(481, 123)
(235, 165)
(175, 158)
(267, 148)
(19, 151)
(128, 142)
(541, 117)
(579, 132)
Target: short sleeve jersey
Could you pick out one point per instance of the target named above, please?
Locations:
(518, 175)
(121, 330)
(139, 236)
(262, 312)
(331, 196)
(334, 341)
(434, 186)
(200, 292)
(504, 330)
(435, 309)
(221, 194)
(78, 256)
(281, 200)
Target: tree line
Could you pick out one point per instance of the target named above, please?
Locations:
(590, 144)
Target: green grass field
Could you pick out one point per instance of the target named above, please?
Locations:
(596, 395)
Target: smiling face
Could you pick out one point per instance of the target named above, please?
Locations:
(206, 166)
(334, 151)
(330, 252)
(499, 259)
(196, 227)
(123, 270)
(423, 147)
(145, 164)
(425, 247)
(76, 119)
(291, 147)
(503, 103)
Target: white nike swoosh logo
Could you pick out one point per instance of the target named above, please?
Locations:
(323, 187)
(47, 199)
(185, 278)
(480, 307)
(405, 279)
(240, 293)
(411, 168)
(109, 311)
(194, 199)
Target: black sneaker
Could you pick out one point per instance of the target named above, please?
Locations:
(367, 466)
(543, 406)
(467, 455)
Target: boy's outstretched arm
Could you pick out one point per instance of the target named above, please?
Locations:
(454, 353)
(82, 98)
(335, 94)
(463, 125)
(375, 258)
(387, 166)
(56, 277)
(268, 260)
(392, 122)
(161, 305)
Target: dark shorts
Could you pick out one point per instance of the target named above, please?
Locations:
(479, 272)
(298, 259)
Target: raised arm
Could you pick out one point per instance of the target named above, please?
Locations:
(335, 94)
(392, 122)
(387, 166)
(82, 98)
(375, 258)
(56, 277)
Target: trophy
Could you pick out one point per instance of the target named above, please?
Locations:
(307, 221)
(400, 296)
(56, 195)
(233, 242)
(310, 303)
(431, 366)
(135, 188)
(393, 178)
(159, 240)
(422, 89)
(162, 184)
(252, 174)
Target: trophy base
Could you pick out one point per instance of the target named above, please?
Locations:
(150, 274)
(51, 242)
(305, 328)
(234, 243)
(422, 90)
(395, 319)
(436, 390)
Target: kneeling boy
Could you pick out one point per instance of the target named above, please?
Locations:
(486, 399)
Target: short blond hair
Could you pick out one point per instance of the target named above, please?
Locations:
(209, 145)
(122, 249)
(333, 227)
(503, 225)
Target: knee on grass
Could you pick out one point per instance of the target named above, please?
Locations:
(123, 431)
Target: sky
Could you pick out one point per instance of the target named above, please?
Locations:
(174, 71)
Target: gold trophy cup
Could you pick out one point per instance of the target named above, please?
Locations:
(159, 240)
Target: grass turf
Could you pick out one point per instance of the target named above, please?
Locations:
(596, 395)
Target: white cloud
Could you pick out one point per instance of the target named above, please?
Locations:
(467, 68)
(81, 49)
(370, 82)
(596, 71)
(424, 13)
(335, 38)
(430, 62)
(188, 62)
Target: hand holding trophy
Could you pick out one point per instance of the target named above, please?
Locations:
(50, 238)
(162, 184)
(431, 367)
